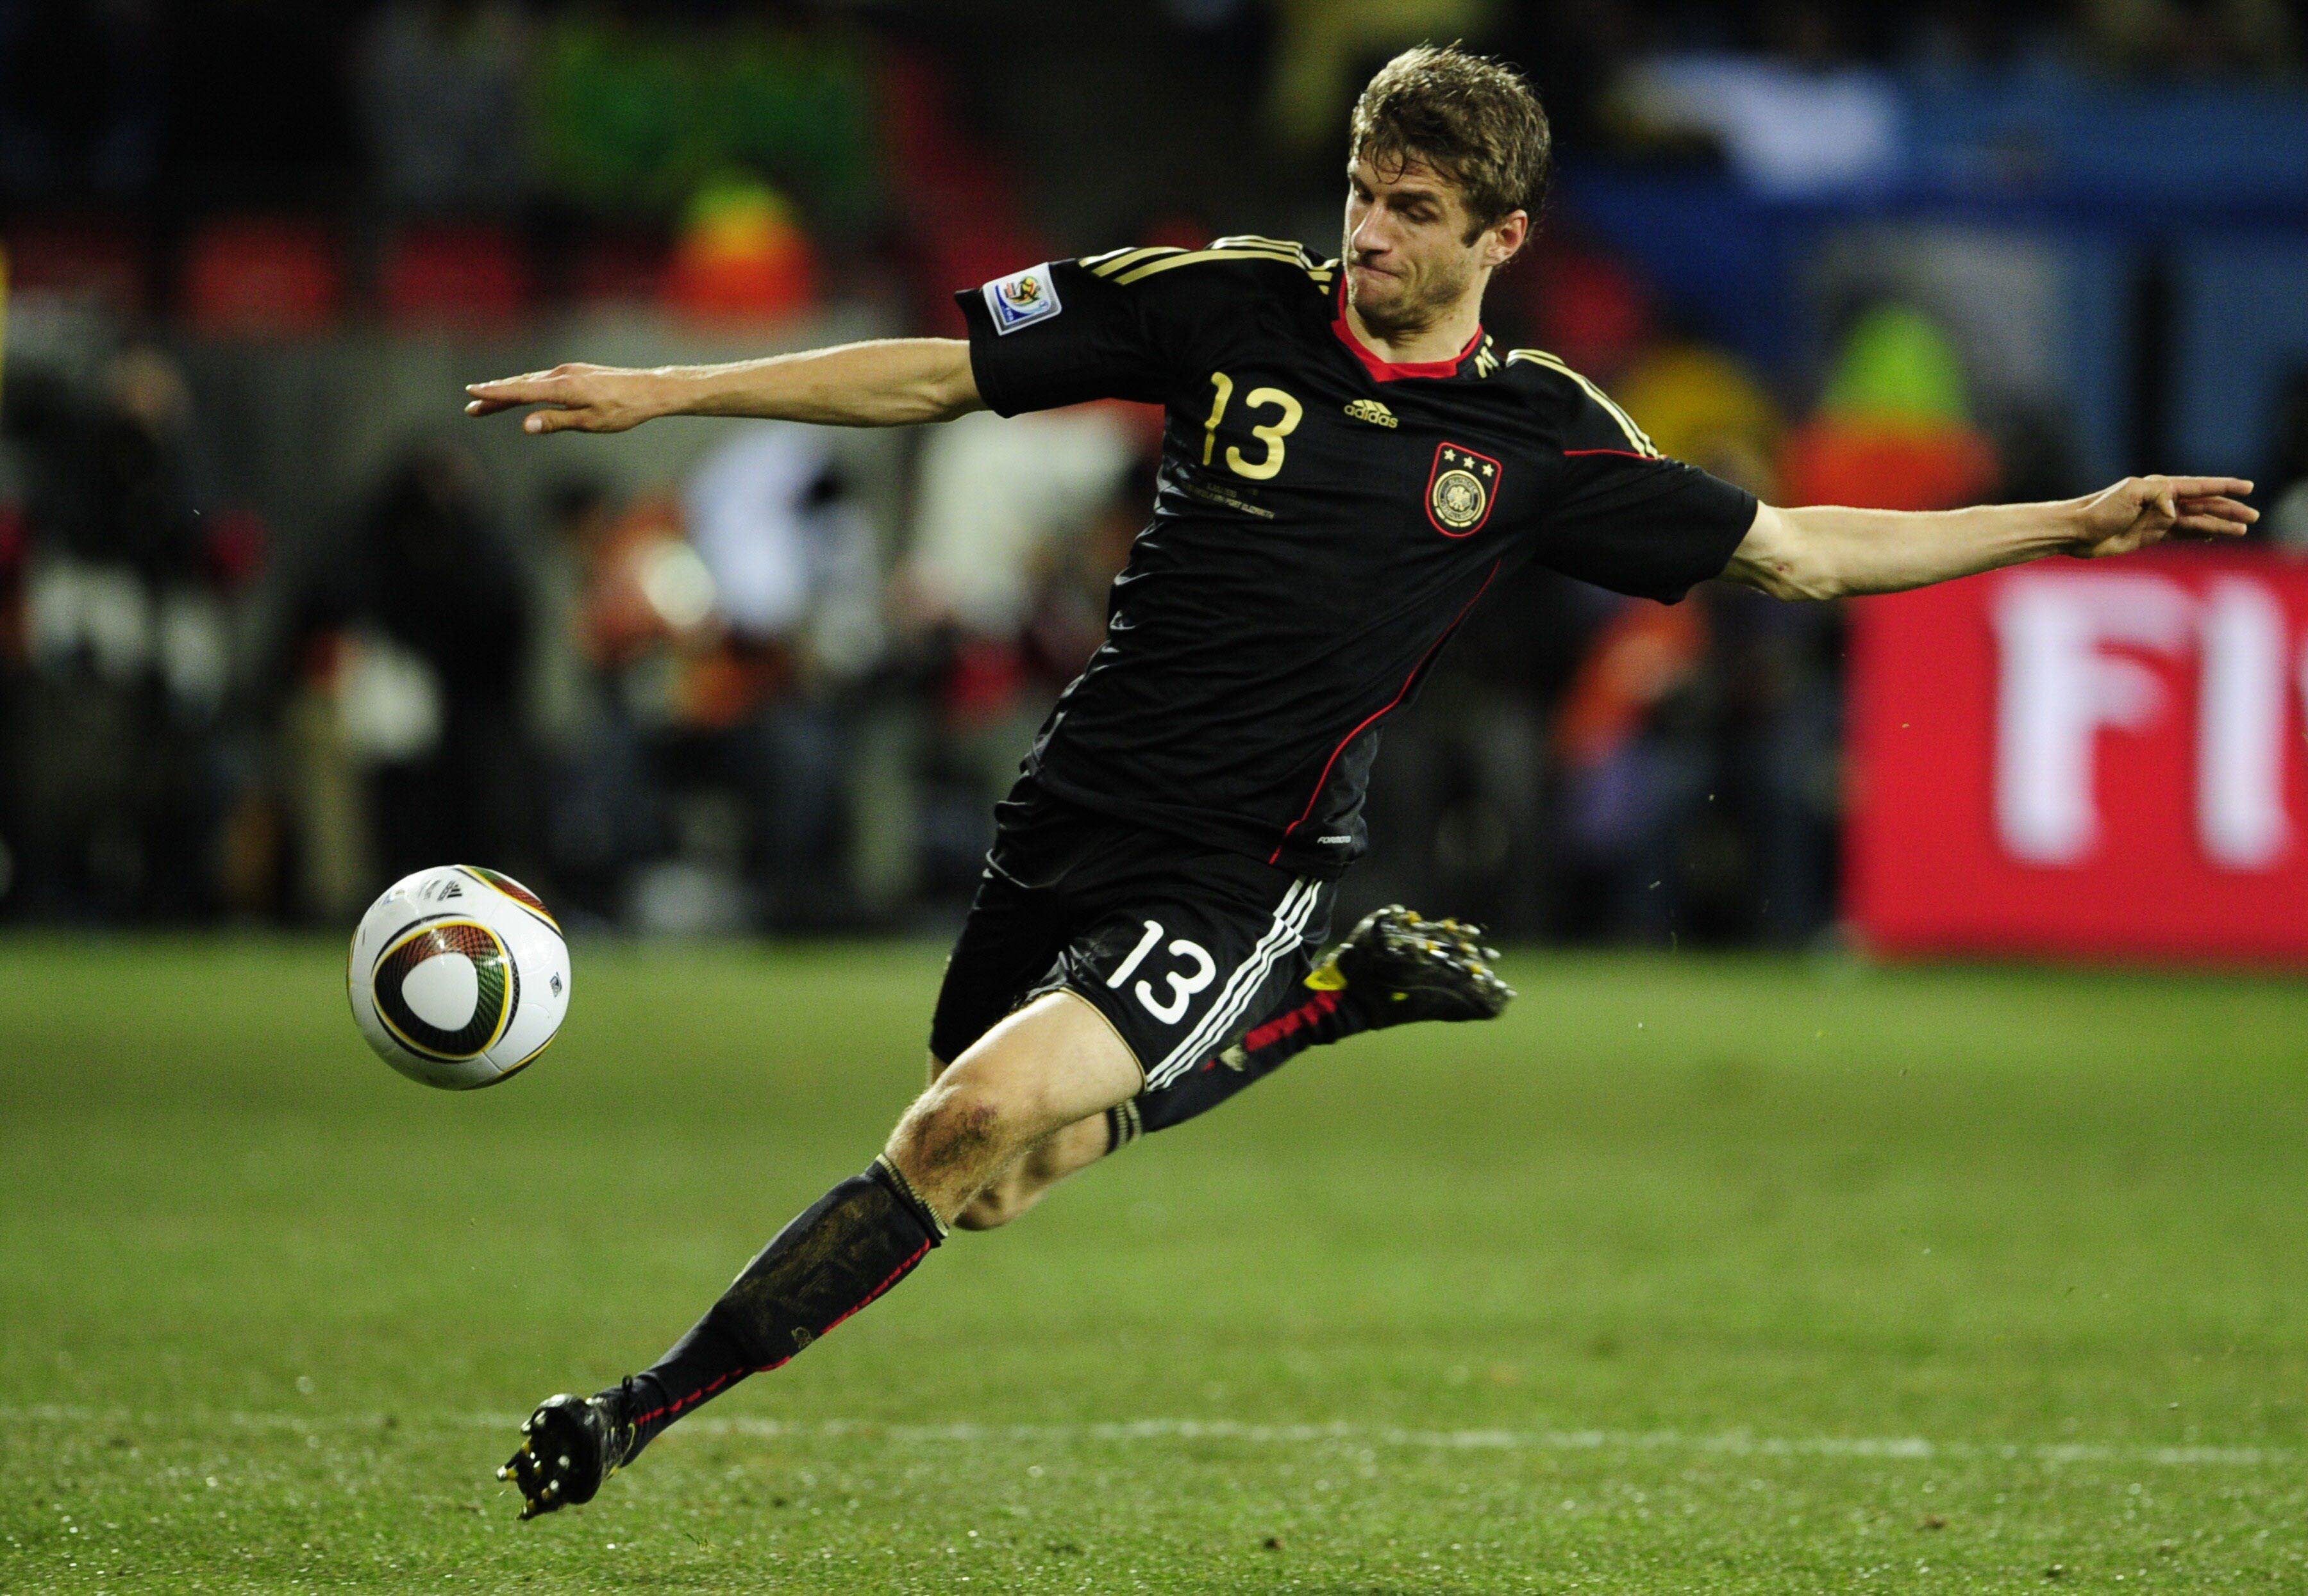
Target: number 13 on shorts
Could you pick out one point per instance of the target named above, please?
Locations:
(1197, 969)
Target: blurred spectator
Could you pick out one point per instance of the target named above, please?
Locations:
(1691, 746)
(1807, 125)
(1893, 430)
(726, 632)
(742, 255)
(796, 571)
(1704, 406)
(119, 775)
(1586, 306)
(1634, 759)
(398, 656)
(995, 495)
(999, 501)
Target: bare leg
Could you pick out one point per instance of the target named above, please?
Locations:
(1050, 1067)
(1028, 1177)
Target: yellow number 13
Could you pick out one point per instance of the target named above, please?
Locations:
(1270, 434)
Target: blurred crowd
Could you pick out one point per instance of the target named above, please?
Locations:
(756, 696)
(774, 682)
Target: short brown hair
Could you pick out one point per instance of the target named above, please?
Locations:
(1474, 120)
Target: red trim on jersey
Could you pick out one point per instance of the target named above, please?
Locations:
(1305, 1014)
(1623, 453)
(1383, 370)
(1401, 693)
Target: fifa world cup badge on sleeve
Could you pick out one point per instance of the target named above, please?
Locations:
(1021, 298)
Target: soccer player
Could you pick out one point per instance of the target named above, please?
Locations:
(1348, 465)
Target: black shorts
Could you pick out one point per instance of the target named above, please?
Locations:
(1182, 947)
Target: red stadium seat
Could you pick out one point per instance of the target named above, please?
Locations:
(453, 276)
(263, 275)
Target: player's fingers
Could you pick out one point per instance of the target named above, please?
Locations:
(536, 388)
(2220, 506)
(2204, 487)
(2208, 526)
(558, 421)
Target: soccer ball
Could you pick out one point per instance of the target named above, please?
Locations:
(458, 976)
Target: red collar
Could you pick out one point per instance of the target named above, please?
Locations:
(1387, 371)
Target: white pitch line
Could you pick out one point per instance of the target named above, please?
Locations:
(1728, 1443)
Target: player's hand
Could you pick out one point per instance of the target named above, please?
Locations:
(573, 397)
(2140, 511)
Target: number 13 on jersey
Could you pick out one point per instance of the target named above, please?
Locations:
(1197, 969)
(1269, 433)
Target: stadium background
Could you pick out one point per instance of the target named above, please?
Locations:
(1706, 1267)
(276, 625)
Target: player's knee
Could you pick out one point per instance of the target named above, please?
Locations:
(958, 1125)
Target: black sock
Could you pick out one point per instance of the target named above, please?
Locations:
(846, 1248)
(1307, 1018)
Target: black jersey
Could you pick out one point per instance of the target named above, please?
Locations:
(1323, 522)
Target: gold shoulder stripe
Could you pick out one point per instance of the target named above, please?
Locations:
(1195, 257)
(1635, 434)
(1114, 261)
(1322, 271)
(1252, 241)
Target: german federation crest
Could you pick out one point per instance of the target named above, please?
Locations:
(1460, 489)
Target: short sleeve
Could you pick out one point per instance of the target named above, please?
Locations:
(1062, 334)
(1625, 517)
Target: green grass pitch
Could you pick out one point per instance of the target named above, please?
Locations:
(1689, 1274)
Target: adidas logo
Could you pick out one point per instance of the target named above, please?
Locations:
(1371, 411)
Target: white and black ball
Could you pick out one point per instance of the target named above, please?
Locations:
(459, 976)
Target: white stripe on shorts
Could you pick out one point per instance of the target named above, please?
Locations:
(1291, 917)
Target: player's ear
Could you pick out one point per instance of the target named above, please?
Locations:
(1508, 234)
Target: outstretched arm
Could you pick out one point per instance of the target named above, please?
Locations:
(889, 382)
(1828, 552)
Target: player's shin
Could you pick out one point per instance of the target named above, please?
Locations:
(855, 1243)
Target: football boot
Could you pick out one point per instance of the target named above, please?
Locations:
(1397, 967)
(568, 1447)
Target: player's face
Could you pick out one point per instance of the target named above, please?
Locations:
(1407, 254)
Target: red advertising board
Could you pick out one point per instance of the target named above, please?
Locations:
(2074, 757)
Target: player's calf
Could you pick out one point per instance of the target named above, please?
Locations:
(1027, 1178)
